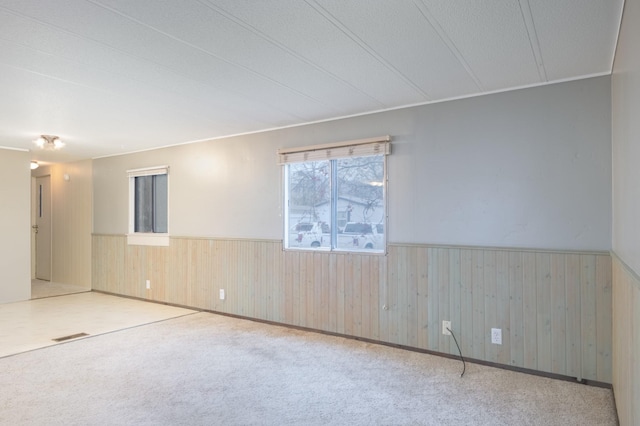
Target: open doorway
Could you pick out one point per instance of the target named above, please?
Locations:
(42, 284)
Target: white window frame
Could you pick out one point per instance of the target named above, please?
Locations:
(146, 238)
(334, 151)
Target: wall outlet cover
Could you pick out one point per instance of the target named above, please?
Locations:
(496, 336)
(446, 325)
(221, 294)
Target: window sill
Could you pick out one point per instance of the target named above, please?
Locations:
(326, 250)
(139, 239)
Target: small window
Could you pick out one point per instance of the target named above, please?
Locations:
(148, 206)
(336, 203)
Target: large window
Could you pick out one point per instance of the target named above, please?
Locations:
(148, 206)
(335, 196)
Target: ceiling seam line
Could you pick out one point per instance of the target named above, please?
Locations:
(292, 52)
(335, 22)
(428, 16)
(115, 94)
(213, 55)
(83, 64)
(52, 77)
(617, 41)
(534, 43)
(130, 55)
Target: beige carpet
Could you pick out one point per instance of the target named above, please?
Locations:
(205, 369)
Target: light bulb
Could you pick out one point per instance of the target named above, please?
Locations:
(40, 142)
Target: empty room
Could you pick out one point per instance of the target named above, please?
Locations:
(319, 212)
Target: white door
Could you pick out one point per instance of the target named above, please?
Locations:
(43, 228)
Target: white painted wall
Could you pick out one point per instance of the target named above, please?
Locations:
(15, 226)
(528, 168)
(626, 140)
(71, 221)
(625, 93)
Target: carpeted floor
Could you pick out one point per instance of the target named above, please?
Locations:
(206, 369)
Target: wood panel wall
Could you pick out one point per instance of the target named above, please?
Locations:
(554, 308)
(626, 341)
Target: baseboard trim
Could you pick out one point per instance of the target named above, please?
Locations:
(539, 373)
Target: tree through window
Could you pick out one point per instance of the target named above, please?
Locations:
(336, 203)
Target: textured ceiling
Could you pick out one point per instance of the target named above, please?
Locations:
(116, 76)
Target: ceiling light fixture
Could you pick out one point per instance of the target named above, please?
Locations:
(49, 142)
(34, 165)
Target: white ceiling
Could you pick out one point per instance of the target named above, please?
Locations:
(116, 76)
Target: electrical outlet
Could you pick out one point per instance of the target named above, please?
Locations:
(148, 284)
(222, 294)
(445, 325)
(496, 336)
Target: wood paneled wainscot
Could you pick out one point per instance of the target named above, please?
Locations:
(626, 336)
(554, 308)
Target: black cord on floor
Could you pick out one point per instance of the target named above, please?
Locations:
(464, 364)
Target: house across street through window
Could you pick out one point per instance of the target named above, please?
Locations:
(337, 203)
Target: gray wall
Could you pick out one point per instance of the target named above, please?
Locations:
(529, 168)
(15, 226)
